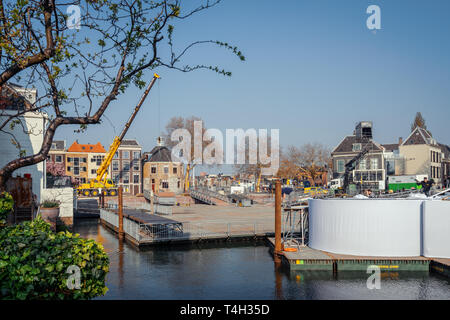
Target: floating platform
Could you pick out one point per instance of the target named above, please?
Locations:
(142, 228)
(307, 258)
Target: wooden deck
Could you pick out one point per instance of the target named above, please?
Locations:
(310, 259)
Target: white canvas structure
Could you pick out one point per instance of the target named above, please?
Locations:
(436, 229)
(366, 227)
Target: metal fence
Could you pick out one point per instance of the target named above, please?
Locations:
(203, 230)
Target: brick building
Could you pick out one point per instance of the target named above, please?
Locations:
(126, 167)
(82, 160)
(160, 173)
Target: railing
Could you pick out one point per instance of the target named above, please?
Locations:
(203, 230)
(155, 232)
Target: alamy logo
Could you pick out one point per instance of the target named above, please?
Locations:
(374, 280)
(255, 152)
(74, 19)
(374, 20)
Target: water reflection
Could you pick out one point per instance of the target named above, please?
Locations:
(240, 271)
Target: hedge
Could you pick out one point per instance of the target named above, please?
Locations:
(36, 263)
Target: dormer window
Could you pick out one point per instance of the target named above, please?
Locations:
(356, 147)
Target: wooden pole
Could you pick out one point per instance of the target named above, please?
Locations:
(277, 221)
(120, 194)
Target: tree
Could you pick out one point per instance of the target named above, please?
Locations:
(176, 123)
(419, 121)
(310, 160)
(79, 72)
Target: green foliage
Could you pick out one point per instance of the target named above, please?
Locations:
(6, 207)
(50, 204)
(35, 263)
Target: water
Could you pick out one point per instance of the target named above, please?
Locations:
(240, 271)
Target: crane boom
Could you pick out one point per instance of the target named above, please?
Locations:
(118, 140)
(100, 181)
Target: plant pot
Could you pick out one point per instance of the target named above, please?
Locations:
(50, 214)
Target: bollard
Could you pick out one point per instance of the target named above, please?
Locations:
(277, 250)
(120, 200)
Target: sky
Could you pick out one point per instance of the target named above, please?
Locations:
(313, 70)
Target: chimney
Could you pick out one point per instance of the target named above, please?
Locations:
(160, 141)
(400, 140)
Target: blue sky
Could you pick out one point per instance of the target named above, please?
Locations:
(312, 70)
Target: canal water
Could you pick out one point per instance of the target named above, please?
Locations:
(239, 271)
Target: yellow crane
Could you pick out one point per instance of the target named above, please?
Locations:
(101, 183)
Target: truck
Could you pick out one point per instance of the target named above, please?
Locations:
(407, 182)
(101, 184)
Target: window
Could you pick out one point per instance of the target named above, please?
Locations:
(374, 163)
(84, 160)
(69, 159)
(174, 170)
(97, 159)
(116, 178)
(164, 184)
(126, 166)
(76, 170)
(83, 169)
(69, 169)
(126, 178)
(136, 165)
(115, 165)
(153, 169)
(76, 161)
(362, 164)
(82, 180)
(58, 158)
(136, 155)
(93, 171)
(53, 145)
(178, 184)
(356, 147)
(340, 166)
(166, 169)
(136, 178)
(116, 155)
(125, 154)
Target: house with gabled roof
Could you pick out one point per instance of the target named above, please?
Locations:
(423, 155)
(370, 170)
(161, 173)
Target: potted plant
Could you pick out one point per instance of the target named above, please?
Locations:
(49, 210)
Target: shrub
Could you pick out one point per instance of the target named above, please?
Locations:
(6, 207)
(34, 263)
(50, 204)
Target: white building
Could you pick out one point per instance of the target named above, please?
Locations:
(29, 136)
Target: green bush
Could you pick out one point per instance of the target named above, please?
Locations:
(34, 263)
(6, 207)
(50, 204)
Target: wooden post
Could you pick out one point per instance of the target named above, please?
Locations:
(120, 194)
(102, 200)
(277, 221)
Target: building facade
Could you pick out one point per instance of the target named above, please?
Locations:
(369, 172)
(423, 155)
(14, 99)
(126, 167)
(80, 162)
(160, 173)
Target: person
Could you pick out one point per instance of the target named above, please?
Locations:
(368, 193)
(426, 185)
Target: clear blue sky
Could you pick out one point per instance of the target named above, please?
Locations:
(313, 70)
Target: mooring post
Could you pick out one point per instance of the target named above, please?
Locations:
(120, 195)
(102, 199)
(277, 251)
